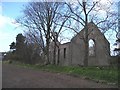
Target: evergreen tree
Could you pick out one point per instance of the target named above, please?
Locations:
(20, 46)
(12, 46)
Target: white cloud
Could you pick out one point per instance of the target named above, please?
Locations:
(7, 21)
(0, 9)
(2, 21)
(4, 40)
(7, 32)
(104, 1)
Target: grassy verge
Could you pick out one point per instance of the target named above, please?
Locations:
(106, 74)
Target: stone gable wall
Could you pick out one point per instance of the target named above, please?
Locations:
(74, 54)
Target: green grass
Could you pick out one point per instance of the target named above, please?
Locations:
(106, 74)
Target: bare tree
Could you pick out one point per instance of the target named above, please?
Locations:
(42, 19)
(35, 42)
(85, 11)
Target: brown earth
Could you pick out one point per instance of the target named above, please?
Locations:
(19, 77)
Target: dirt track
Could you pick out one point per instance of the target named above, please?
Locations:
(18, 77)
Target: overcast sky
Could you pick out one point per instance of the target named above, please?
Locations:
(9, 11)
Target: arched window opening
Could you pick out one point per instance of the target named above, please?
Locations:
(91, 47)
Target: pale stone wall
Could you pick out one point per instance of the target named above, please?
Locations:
(65, 61)
(75, 50)
(102, 48)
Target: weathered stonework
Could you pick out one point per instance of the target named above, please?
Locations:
(72, 53)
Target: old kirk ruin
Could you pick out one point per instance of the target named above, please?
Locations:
(72, 53)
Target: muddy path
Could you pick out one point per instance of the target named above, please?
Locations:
(19, 77)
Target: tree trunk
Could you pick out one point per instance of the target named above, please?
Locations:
(47, 52)
(58, 56)
(86, 54)
(54, 54)
(86, 39)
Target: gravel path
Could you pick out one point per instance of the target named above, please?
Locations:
(19, 77)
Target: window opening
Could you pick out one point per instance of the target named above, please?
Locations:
(91, 47)
(64, 52)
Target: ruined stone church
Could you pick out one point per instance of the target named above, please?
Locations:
(72, 53)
